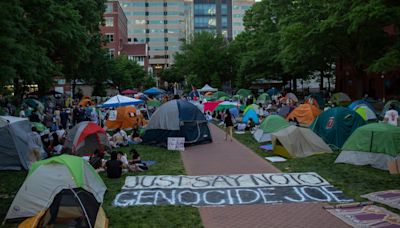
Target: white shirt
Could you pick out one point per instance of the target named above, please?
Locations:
(392, 117)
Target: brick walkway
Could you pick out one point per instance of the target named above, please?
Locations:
(225, 157)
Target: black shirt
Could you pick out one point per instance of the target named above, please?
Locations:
(114, 168)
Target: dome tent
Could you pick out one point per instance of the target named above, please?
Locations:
(304, 113)
(335, 125)
(17, 152)
(84, 138)
(177, 118)
(373, 144)
(271, 124)
(53, 181)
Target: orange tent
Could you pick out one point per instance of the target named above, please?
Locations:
(305, 114)
(86, 101)
(127, 118)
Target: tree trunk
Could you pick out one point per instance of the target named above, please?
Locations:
(73, 88)
(294, 85)
(17, 91)
(321, 83)
(329, 84)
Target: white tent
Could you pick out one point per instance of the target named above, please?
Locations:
(119, 100)
(207, 88)
(293, 142)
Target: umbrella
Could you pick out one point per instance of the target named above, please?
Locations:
(154, 91)
(153, 103)
(226, 105)
(119, 100)
(243, 92)
(129, 91)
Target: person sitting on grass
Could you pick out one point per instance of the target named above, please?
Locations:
(136, 163)
(122, 157)
(250, 124)
(97, 160)
(114, 166)
(135, 136)
(120, 138)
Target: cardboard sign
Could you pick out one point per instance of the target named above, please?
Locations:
(177, 143)
(112, 115)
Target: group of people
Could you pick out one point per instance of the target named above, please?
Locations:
(117, 164)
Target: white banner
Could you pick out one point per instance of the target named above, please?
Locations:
(224, 181)
(176, 143)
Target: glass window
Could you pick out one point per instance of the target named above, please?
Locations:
(109, 7)
(111, 53)
(205, 21)
(224, 21)
(109, 21)
(224, 9)
(156, 4)
(132, 31)
(140, 22)
(237, 15)
(110, 37)
(152, 22)
(205, 9)
(237, 23)
(156, 13)
(236, 7)
(156, 48)
(133, 4)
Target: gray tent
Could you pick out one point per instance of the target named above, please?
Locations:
(16, 144)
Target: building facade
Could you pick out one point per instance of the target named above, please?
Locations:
(213, 16)
(160, 24)
(239, 8)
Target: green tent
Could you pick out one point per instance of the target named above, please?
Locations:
(335, 125)
(271, 124)
(219, 94)
(237, 97)
(243, 92)
(263, 99)
(49, 177)
(153, 103)
(373, 144)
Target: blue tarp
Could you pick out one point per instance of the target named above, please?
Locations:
(154, 91)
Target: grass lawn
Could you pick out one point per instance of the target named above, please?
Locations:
(167, 163)
(352, 180)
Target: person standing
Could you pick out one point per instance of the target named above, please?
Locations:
(228, 124)
(392, 116)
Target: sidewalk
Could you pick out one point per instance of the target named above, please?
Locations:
(226, 157)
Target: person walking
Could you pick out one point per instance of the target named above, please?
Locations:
(228, 124)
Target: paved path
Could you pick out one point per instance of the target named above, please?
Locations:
(225, 157)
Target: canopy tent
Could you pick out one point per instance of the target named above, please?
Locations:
(394, 103)
(305, 114)
(177, 118)
(315, 99)
(366, 112)
(86, 102)
(207, 88)
(264, 98)
(273, 91)
(48, 178)
(373, 144)
(226, 105)
(298, 142)
(127, 118)
(271, 124)
(84, 138)
(335, 125)
(153, 91)
(211, 105)
(243, 92)
(119, 100)
(340, 99)
(17, 145)
(129, 91)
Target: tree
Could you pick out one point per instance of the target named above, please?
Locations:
(204, 60)
(125, 73)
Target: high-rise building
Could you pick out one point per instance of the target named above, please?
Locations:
(159, 23)
(115, 32)
(239, 8)
(213, 16)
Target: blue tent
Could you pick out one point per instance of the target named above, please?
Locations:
(335, 125)
(154, 91)
(356, 103)
(273, 91)
(177, 118)
(251, 113)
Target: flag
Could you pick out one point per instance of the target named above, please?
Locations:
(194, 93)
